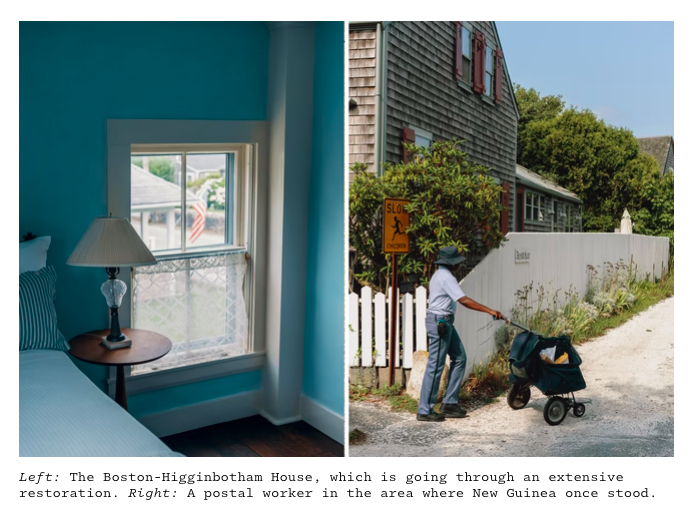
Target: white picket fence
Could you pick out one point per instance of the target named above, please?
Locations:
(369, 326)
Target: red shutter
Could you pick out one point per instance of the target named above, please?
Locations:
(505, 202)
(479, 61)
(458, 52)
(408, 137)
(498, 76)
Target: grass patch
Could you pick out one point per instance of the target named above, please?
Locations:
(394, 395)
(356, 437)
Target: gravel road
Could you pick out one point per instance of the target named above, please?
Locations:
(629, 398)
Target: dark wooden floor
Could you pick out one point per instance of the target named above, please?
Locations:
(254, 436)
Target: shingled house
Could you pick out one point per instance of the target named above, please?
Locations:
(548, 207)
(662, 148)
(424, 81)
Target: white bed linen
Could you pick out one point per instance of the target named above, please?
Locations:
(62, 413)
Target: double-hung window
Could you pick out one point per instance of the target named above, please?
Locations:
(190, 204)
(464, 54)
(489, 68)
(534, 207)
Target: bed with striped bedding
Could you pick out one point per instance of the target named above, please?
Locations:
(62, 413)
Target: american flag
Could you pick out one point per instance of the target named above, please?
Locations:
(199, 223)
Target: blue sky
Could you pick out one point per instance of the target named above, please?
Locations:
(622, 71)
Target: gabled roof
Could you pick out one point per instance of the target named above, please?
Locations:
(657, 146)
(533, 180)
(148, 191)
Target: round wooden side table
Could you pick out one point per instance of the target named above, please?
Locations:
(146, 347)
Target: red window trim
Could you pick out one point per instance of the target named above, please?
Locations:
(408, 137)
(498, 78)
(479, 63)
(458, 51)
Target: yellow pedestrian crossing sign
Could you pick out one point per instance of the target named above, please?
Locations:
(395, 224)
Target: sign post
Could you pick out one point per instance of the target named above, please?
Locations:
(395, 241)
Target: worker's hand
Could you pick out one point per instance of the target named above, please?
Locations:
(497, 315)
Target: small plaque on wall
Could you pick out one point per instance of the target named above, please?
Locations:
(521, 256)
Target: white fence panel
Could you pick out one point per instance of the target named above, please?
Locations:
(366, 326)
(389, 315)
(353, 329)
(421, 305)
(380, 323)
(407, 331)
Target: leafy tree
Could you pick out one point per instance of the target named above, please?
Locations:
(452, 202)
(533, 107)
(162, 167)
(601, 163)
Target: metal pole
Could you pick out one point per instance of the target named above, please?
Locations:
(393, 319)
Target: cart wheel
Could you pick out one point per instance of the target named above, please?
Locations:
(517, 398)
(579, 409)
(555, 410)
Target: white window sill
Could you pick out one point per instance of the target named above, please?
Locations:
(189, 374)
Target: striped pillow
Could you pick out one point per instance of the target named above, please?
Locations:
(38, 323)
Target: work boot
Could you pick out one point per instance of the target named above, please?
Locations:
(430, 417)
(453, 411)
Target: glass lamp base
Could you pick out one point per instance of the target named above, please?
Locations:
(114, 345)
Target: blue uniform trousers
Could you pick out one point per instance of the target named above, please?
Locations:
(438, 349)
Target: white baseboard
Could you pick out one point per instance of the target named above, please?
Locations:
(279, 421)
(323, 419)
(210, 412)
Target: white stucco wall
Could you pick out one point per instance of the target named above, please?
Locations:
(556, 261)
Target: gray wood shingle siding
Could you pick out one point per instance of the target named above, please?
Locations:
(362, 90)
(422, 92)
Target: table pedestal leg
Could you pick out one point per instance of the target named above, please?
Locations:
(120, 394)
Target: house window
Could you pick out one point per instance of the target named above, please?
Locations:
(463, 53)
(490, 66)
(198, 229)
(416, 136)
(569, 218)
(534, 207)
(423, 138)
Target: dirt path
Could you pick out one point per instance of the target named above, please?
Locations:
(629, 398)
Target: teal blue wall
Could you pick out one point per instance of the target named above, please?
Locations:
(323, 368)
(75, 76)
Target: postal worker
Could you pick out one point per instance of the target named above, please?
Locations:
(444, 293)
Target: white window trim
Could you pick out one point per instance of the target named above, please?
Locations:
(242, 183)
(122, 135)
(541, 216)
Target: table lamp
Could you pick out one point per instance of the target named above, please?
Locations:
(112, 243)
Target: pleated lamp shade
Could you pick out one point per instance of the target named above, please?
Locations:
(111, 242)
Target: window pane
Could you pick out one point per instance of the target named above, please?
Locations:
(155, 200)
(489, 83)
(422, 141)
(466, 70)
(210, 179)
(197, 303)
(466, 43)
(489, 60)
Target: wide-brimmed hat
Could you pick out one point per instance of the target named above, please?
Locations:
(450, 256)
